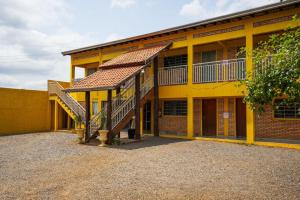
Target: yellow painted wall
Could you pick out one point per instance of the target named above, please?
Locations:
(23, 111)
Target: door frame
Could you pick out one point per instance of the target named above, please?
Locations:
(216, 116)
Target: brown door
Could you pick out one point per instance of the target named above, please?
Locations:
(209, 121)
(240, 118)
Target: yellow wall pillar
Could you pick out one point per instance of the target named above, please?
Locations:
(72, 73)
(190, 64)
(226, 120)
(141, 120)
(69, 122)
(250, 118)
(55, 116)
(190, 117)
(190, 101)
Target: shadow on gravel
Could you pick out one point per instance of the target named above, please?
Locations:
(147, 141)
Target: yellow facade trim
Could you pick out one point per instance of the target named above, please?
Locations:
(280, 145)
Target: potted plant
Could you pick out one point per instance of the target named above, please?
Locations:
(78, 129)
(103, 132)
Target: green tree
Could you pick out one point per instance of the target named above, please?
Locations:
(276, 72)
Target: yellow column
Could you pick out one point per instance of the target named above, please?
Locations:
(55, 115)
(85, 72)
(69, 123)
(190, 64)
(190, 101)
(190, 117)
(250, 118)
(141, 120)
(72, 73)
(226, 120)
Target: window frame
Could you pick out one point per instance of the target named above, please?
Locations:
(175, 110)
(283, 117)
(176, 64)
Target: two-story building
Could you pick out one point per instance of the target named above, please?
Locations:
(179, 82)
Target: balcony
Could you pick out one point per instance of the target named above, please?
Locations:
(172, 75)
(219, 71)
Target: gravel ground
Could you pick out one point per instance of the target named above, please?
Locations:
(53, 166)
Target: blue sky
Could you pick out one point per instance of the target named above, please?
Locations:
(34, 32)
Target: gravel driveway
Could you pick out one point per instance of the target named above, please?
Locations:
(53, 166)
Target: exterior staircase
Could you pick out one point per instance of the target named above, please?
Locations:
(66, 101)
(123, 105)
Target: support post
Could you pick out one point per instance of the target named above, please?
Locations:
(190, 117)
(72, 73)
(190, 100)
(69, 122)
(118, 91)
(55, 115)
(109, 112)
(87, 115)
(190, 64)
(156, 98)
(250, 118)
(137, 107)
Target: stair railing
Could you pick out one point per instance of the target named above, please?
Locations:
(119, 114)
(56, 89)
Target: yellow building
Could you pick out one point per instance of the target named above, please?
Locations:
(185, 79)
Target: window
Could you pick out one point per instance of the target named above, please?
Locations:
(209, 56)
(175, 108)
(288, 111)
(91, 71)
(94, 107)
(174, 61)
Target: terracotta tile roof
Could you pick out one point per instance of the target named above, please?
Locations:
(105, 78)
(137, 57)
(114, 72)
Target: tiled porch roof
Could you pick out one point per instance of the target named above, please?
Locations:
(136, 57)
(116, 71)
(105, 79)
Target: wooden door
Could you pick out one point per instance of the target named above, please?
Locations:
(209, 121)
(240, 118)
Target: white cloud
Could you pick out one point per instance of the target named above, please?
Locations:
(32, 35)
(122, 3)
(205, 9)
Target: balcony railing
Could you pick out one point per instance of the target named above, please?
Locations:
(219, 71)
(172, 75)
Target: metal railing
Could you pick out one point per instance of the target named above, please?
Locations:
(54, 88)
(126, 92)
(172, 75)
(128, 104)
(218, 71)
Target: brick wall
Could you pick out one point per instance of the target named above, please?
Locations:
(197, 117)
(268, 127)
(173, 125)
(231, 120)
(220, 110)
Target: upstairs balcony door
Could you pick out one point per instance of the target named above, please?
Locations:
(209, 67)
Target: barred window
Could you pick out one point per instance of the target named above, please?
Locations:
(175, 108)
(174, 61)
(288, 111)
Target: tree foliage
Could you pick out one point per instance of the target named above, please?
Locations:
(276, 70)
